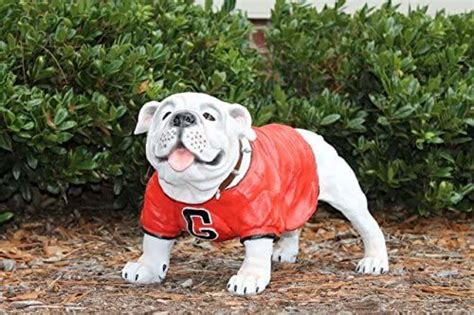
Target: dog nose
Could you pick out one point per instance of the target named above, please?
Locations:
(183, 120)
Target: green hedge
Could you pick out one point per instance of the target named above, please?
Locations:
(394, 92)
(73, 75)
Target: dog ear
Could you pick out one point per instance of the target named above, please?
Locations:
(242, 116)
(145, 116)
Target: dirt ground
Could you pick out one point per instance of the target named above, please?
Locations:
(71, 261)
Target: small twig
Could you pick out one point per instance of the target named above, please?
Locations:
(72, 308)
(23, 67)
(77, 297)
(51, 285)
(57, 64)
(72, 252)
(112, 284)
(197, 270)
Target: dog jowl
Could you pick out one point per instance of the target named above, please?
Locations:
(219, 178)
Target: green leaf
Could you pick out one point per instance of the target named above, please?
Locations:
(264, 115)
(60, 116)
(121, 110)
(64, 136)
(29, 125)
(357, 124)
(208, 5)
(443, 172)
(279, 94)
(34, 102)
(403, 112)
(5, 141)
(448, 157)
(86, 165)
(5, 216)
(16, 171)
(218, 78)
(60, 34)
(383, 121)
(25, 191)
(31, 160)
(390, 174)
(113, 67)
(118, 186)
(228, 6)
(126, 143)
(45, 73)
(330, 119)
(67, 125)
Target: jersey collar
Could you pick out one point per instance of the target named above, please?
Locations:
(241, 167)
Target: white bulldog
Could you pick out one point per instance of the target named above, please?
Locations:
(201, 148)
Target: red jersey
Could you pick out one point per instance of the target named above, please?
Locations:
(278, 194)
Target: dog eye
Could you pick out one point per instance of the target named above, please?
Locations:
(209, 116)
(166, 115)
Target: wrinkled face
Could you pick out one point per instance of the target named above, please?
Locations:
(193, 141)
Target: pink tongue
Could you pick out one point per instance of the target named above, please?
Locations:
(180, 159)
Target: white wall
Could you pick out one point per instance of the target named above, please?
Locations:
(260, 9)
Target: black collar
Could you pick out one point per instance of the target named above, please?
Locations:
(234, 172)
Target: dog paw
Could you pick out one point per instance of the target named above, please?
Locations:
(284, 255)
(246, 285)
(372, 266)
(139, 273)
(286, 249)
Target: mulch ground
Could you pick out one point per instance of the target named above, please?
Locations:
(70, 261)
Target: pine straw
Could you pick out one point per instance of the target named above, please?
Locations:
(71, 261)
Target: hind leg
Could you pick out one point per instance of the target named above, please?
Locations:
(340, 188)
(346, 196)
(286, 249)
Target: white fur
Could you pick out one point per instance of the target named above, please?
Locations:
(338, 186)
(287, 247)
(255, 272)
(152, 265)
(205, 139)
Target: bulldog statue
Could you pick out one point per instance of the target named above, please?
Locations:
(219, 178)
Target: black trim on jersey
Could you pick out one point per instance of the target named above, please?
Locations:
(259, 236)
(159, 236)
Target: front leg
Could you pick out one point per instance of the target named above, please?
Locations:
(152, 265)
(255, 272)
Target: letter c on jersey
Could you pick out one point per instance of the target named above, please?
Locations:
(191, 214)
